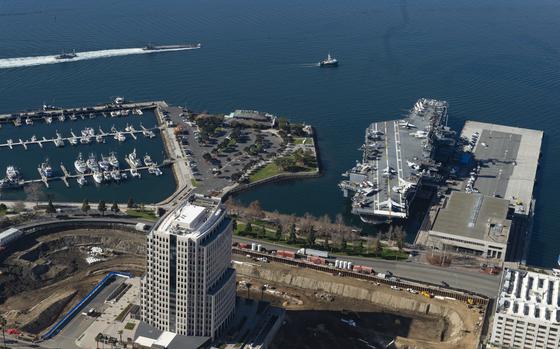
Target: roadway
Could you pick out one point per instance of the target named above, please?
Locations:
(460, 279)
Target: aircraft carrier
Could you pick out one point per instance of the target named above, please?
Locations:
(398, 157)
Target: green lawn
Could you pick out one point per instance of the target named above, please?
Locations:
(300, 140)
(129, 326)
(145, 214)
(194, 182)
(268, 171)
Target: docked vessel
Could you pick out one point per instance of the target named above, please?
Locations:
(106, 175)
(134, 173)
(98, 177)
(80, 164)
(70, 55)
(91, 163)
(73, 140)
(113, 160)
(329, 62)
(29, 121)
(104, 164)
(148, 160)
(48, 119)
(151, 47)
(8, 184)
(120, 137)
(45, 169)
(12, 173)
(81, 180)
(133, 160)
(116, 175)
(399, 157)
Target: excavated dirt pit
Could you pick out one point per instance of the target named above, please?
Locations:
(45, 277)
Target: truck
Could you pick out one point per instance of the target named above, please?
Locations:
(312, 252)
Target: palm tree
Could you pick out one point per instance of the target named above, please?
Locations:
(3, 323)
(263, 288)
(120, 332)
(248, 286)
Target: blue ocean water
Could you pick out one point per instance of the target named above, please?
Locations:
(493, 61)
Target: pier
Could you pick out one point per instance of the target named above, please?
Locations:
(78, 139)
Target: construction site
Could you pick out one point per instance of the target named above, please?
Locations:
(49, 273)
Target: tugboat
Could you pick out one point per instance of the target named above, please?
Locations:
(329, 62)
(70, 55)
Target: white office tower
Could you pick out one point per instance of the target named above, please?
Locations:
(527, 311)
(189, 285)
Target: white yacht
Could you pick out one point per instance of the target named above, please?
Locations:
(33, 138)
(46, 169)
(148, 160)
(138, 112)
(80, 165)
(115, 114)
(113, 160)
(116, 175)
(12, 173)
(17, 122)
(73, 140)
(59, 142)
(48, 119)
(98, 177)
(133, 159)
(134, 172)
(120, 137)
(104, 164)
(92, 163)
(29, 121)
(127, 128)
(61, 118)
(107, 175)
(99, 139)
(85, 140)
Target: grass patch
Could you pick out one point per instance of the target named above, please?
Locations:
(129, 326)
(194, 182)
(301, 140)
(265, 172)
(144, 214)
(123, 313)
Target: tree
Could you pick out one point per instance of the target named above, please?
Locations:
(377, 246)
(50, 207)
(256, 210)
(399, 237)
(278, 233)
(343, 244)
(18, 206)
(261, 233)
(34, 192)
(326, 244)
(120, 332)
(292, 239)
(85, 206)
(115, 207)
(311, 236)
(359, 247)
(102, 207)
(263, 288)
(130, 203)
(249, 228)
(234, 225)
(248, 286)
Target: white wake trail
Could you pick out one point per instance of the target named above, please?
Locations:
(18, 62)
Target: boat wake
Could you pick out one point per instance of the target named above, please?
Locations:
(18, 62)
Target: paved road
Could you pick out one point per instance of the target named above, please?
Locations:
(481, 283)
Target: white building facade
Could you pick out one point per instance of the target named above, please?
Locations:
(189, 285)
(527, 311)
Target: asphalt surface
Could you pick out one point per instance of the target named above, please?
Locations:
(481, 283)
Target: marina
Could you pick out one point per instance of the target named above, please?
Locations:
(53, 135)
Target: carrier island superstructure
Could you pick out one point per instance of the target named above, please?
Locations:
(398, 157)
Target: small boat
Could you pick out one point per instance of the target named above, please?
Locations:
(133, 159)
(127, 128)
(59, 142)
(124, 175)
(85, 140)
(119, 100)
(73, 117)
(81, 180)
(104, 164)
(137, 111)
(107, 175)
(98, 177)
(45, 169)
(80, 165)
(92, 115)
(91, 163)
(329, 62)
(8, 184)
(113, 160)
(154, 170)
(33, 138)
(48, 120)
(148, 160)
(73, 140)
(29, 121)
(61, 118)
(116, 175)
(17, 122)
(88, 132)
(115, 114)
(12, 173)
(120, 137)
(99, 139)
(134, 172)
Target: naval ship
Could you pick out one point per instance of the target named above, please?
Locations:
(398, 156)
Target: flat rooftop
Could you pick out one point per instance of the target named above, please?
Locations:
(474, 216)
(508, 159)
(190, 216)
(529, 295)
